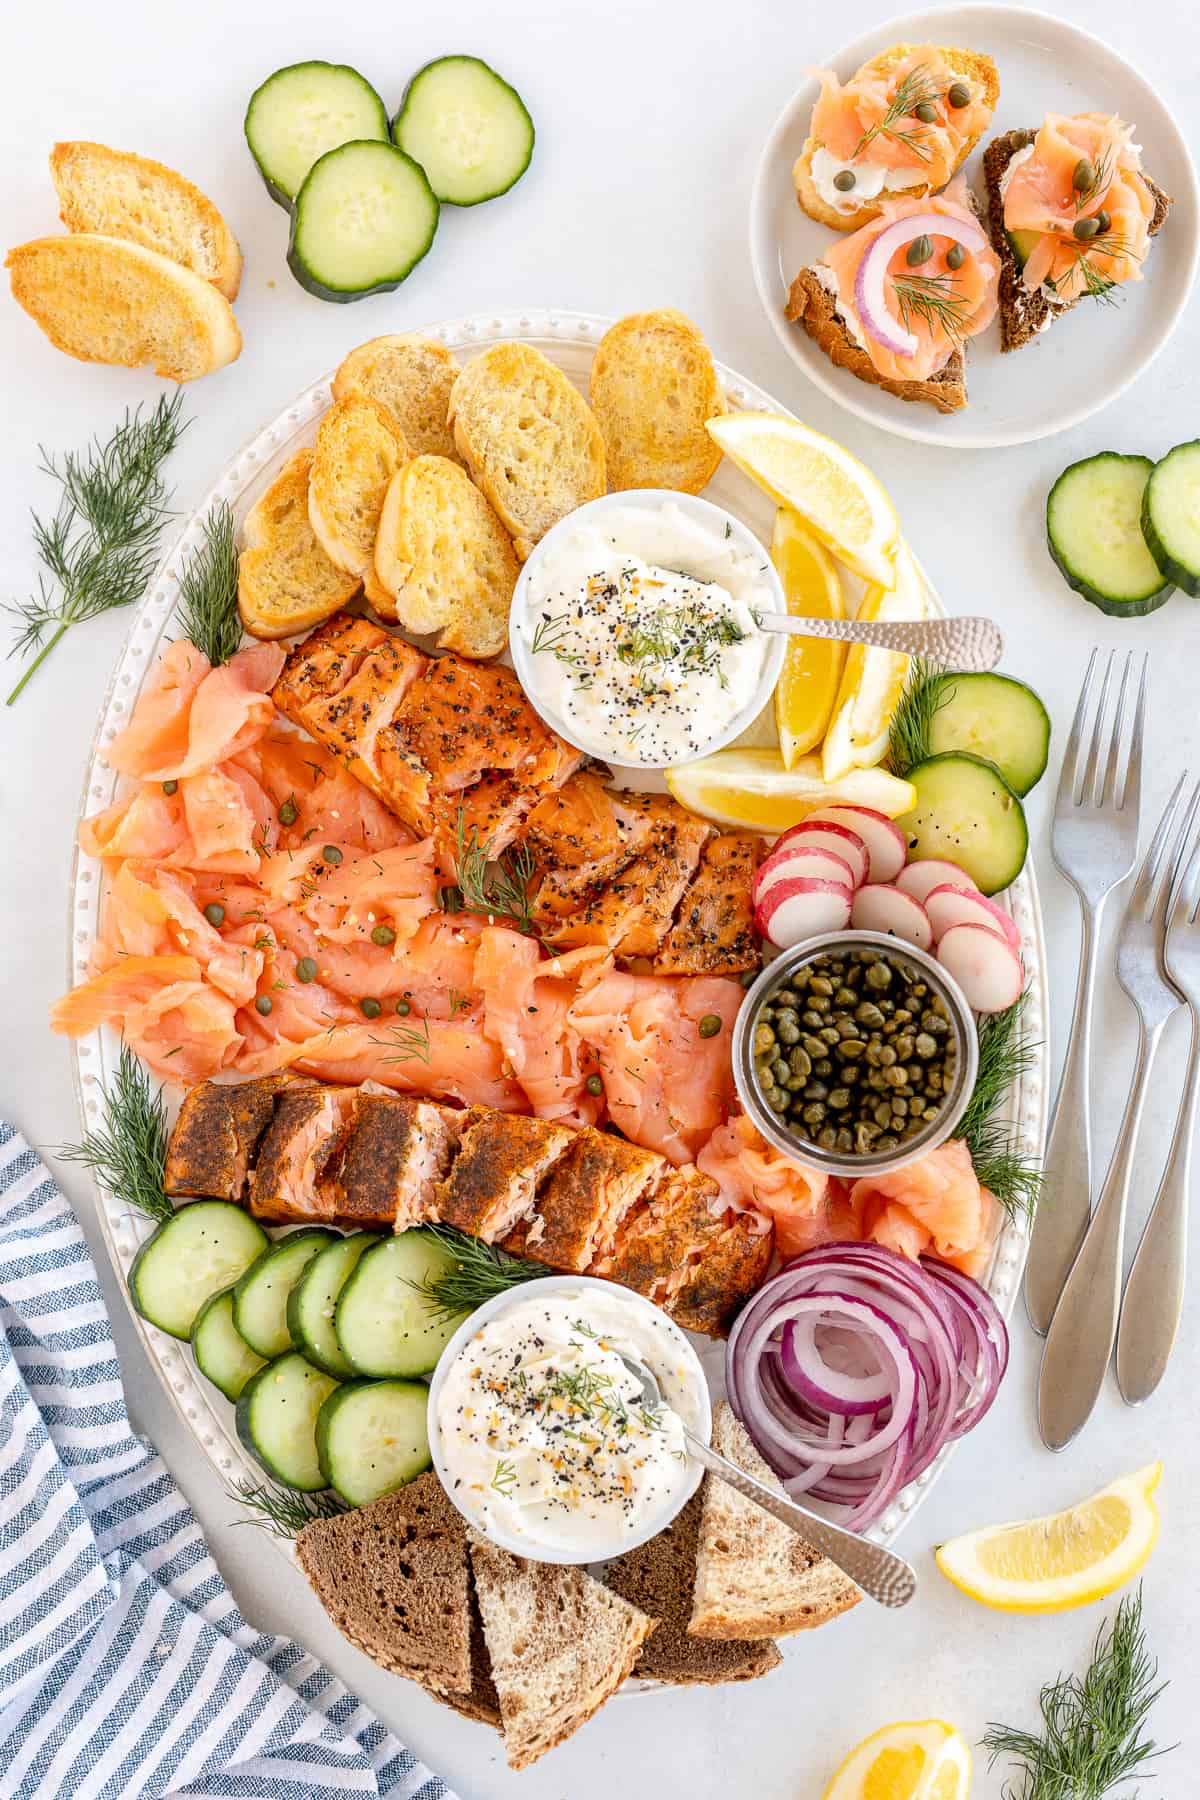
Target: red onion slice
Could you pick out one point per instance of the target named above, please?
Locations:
(870, 283)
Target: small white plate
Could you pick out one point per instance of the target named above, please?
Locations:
(1084, 361)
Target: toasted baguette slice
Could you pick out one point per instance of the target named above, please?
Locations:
(979, 70)
(105, 300)
(443, 560)
(125, 196)
(412, 376)
(653, 386)
(359, 447)
(286, 583)
(813, 306)
(560, 1646)
(754, 1577)
(1023, 314)
(528, 437)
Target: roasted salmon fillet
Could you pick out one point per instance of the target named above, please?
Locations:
(630, 911)
(217, 1135)
(588, 1193)
(714, 933)
(303, 1135)
(494, 1179)
(720, 1280)
(394, 1150)
(660, 1240)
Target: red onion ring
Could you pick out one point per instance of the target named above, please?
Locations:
(853, 1367)
(870, 283)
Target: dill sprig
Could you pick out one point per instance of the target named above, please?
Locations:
(1101, 181)
(127, 1152)
(691, 635)
(99, 549)
(550, 637)
(935, 300)
(476, 1272)
(284, 1512)
(208, 610)
(1093, 1726)
(916, 89)
(926, 691)
(407, 1043)
(1000, 1164)
(497, 887)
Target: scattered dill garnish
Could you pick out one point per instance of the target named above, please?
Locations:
(550, 637)
(504, 1479)
(1004, 1056)
(1101, 181)
(208, 611)
(478, 1272)
(1093, 1726)
(407, 1043)
(497, 887)
(99, 550)
(284, 1512)
(926, 691)
(127, 1152)
(915, 90)
(933, 299)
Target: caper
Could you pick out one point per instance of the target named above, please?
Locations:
(779, 1069)
(788, 1029)
(383, 935)
(263, 1004)
(918, 252)
(709, 1025)
(895, 1078)
(955, 256)
(404, 1007)
(331, 854)
(795, 1083)
(887, 1056)
(845, 997)
(814, 1114)
(816, 1090)
(819, 985)
(899, 1108)
(594, 1085)
(814, 1045)
(850, 1049)
(776, 1099)
(844, 1140)
(905, 1044)
(764, 1039)
(827, 1137)
(930, 1113)
(844, 180)
(958, 95)
(926, 1044)
(306, 969)
(927, 112)
(1104, 221)
(1083, 176)
(887, 1142)
(902, 1016)
(822, 1067)
(170, 787)
(868, 1014)
(812, 1019)
(289, 812)
(214, 912)
(1086, 228)
(799, 1061)
(839, 1098)
(370, 1008)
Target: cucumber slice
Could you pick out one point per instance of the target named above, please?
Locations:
(1171, 516)
(1094, 528)
(372, 1438)
(363, 220)
(1024, 243)
(966, 813)
(204, 1247)
(299, 113)
(260, 1298)
(469, 130)
(385, 1325)
(311, 1302)
(220, 1350)
(997, 718)
(277, 1419)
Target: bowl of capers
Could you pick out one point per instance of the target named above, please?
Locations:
(855, 1053)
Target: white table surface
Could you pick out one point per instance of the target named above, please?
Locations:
(649, 119)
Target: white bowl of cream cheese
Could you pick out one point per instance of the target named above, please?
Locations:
(537, 1429)
(634, 628)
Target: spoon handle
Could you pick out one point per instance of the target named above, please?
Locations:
(880, 1573)
(970, 644)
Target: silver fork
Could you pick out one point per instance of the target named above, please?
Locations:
(1094, 843)
(1153, 1301)
(1084, 1328)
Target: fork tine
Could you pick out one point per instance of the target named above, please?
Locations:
(1068, 780)
(1146, 887)
(1106, 792)
(1184, 845)
(1090, 776)
(1131, 780)
(1165, 884)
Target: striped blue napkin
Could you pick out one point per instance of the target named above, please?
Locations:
(126, 1669)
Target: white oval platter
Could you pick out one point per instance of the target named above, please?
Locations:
(569, 340)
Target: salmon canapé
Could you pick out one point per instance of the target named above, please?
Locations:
(1077, 207)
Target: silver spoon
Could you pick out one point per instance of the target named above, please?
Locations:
(880, 1573)
(969, 644)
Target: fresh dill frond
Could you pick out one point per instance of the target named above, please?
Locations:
(497, 887)
(1100, 182)
(933, 299)
(127, 1152)
(99, 549)
(504, 1479)
(1001, 1166)
(550, 637)
(284, 1512)
(208, 610)
(1093, 1733)
(476, 1272)
(915, 90)
(407, 1043)
(926, 691)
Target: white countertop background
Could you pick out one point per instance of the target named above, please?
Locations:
(649, 121)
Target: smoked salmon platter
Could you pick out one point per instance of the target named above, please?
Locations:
(582, 1050)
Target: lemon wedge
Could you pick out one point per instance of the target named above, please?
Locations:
(873, 680)
(751, 788)
(1066, 1559)
(838, 497)
(812, 668)
(920, 1759)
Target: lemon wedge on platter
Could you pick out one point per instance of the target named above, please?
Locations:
(920, 1759)
(812, 668)
(873, 680)
(836, 495)
(752, 788)
(1064, 1560)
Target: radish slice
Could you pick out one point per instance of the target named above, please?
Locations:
(880, 908)
(949, 906)
(820, 865)
(800, 908)
(920, 878)
(887, 847)
(837, 838)
(985, 967)
(870, 283)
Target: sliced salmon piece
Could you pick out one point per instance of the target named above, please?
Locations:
(718, 1282)
(446, 1059)
(631, 912)
(145, 822)
(494, 1179)
(464, 720)
(185, 1031)
(129, 981)
(217, 1134)
(227, 710)
(1040, 196)
(714, 933)
(655, 1247)
(527, 1003)
(488, 816)
(587, 827)
(158, 731)
(581, 1207)
(935, 1203)
(394, 1151)
(752, 1175)
(305, 1130)
(846, 113)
